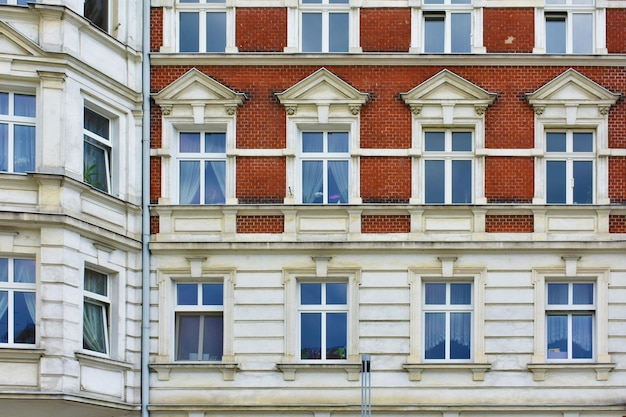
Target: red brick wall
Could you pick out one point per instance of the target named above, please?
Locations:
(509, 180)
(617, 224)
(385, 29)
(509, 30)
(156, 29)
(155, 126)
(616, 31)
(155, 179)
(385, 224)
(261, 180)
(509, 223)
(260, 224)
(154, 225)
(261, 29)
(617, 180)
(385, 180)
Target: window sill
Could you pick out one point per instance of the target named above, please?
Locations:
(539, 369)
(163, 370)
(289, 369)
(478, 369)
(13, 354)
(102, 362)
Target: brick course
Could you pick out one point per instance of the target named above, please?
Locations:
(261, 180)
(509, 30)
(522, 223)
(385, 180)
(385, 224)
(509, 180)
(156, 29)
(385, 29)
(261, 29)
(617, 224)
(260, 224)
(616, 30)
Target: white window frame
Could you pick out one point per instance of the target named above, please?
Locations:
(202, 8)
(105, 303)
(18, 2)
(11, 120)
(105, 145)
(11, 287)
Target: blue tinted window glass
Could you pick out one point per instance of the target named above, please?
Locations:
(311, 32)
(96, 123)
(24, 318)
(24, 271)
(583, 142)
(434, 182)
(461, 27)
(558, 294)
(338, 142)
(461, 182)
(215, 32)
(188, 334)
(189, 142)
(434, 141)
(311, 336)
(555, 34)
(583, 294)
(336, 335)
(310, 293)
(215, 142)
(460, 335)
(555, 182)
(583, 182)
(556, 142)
(337, 293)
(4, 103)
(212, 294)
(435, 335)
(339, 1)
(338, 182)
(4, 317)
(189, 182)
(435, 294)
(461, 141)
(96, 282)
(24, 105)
(187, 294)
(312, 182)
(24, 148)
(557, 336)
(189, 24)
(582, 336)
(4, 270)
(582, 34)
(338, 32)
(312, 142)
(214, 182)
(461, 294)
(213, 342)
(4, 147)
(434, 34)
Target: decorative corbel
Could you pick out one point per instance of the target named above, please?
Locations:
(166, 109)
(480, 109)
(231, 109)
(355, 109)
(291, 109)
(603, 109)
(539, 109)
(416, 109)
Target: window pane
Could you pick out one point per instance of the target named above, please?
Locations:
(434, 182)
(435, 294)
(461, 294)
(557, 337)
(189, 142)
(338, 142)
(311, 336)
(339, 1)
(212, 294)
(4, 317)
(461, 182)
(582, 336)
(460, 335)
(461, 27)
(311, 294)
(433, 1)
(336, 293)
(24, 105)
(96, 123)
(215, 142)
(461, 141)
(95, 166)
(435, 336)
(24, 148)
(336, 335)
(312, 142)
(24, 319)
(583, 142)
(555, 35)
(558, 294)
(212, 343)
(97, 11)
(461, 2)
(215, 32)
(312, 182)
(338, 182)
(311, 32)
(434, 141)
(24, 271)
(189, 24)
(583, 182)
(187, 294)
(4, 270)
(556, 142)
(582, 33)
(94, 327)
(188, 333)
(555, 182)
(4, 103)
(96, 282)
(338, 33)
(583, 294)
(215, 182)
(189, 182)
(434, 32)
(4, 147)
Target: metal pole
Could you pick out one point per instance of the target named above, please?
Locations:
(366, 387)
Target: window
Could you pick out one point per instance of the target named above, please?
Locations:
(202, 167)
(325, 26)
(570, 27)
(447, 321)
(325, 161)
(199, 321)
(569, 167)
(323, 311)
(447, 26)
(202, 26)
(96, 312)
(570, 320)
(17, 132)
(97, 151)
(17, 301)
(448, 167)
(98, 12)
(18, 2)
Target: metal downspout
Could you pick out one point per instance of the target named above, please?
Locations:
(145, 212)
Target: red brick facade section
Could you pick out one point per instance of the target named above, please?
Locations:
(509, 180)
(385, 180)
(616, 30)
(156, 29)
(617, 180)
(154, 225)
(261, 180)
(385, 224)
(260, 224)
(261, 29)
(385, 29)
(156, 126)
(617, 224)
(155, 179)
(509, 223)
(509, 30)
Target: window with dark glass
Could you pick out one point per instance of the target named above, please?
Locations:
(97, 150)
(96, 311)
(17, 132)
(448, 167)
(569, 167)
(325, 26)
(202, 26)
(447, 29)
(202, 168)
(98, 12)
(17, 301)
(325, 163)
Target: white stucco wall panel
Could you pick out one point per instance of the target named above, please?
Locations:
(101, 381)
(19, 374)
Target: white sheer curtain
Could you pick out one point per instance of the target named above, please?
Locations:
(215, 174)
(435, 335)
(4, 147)
(93, 327)
(339, 171)
(24, 148)
(312, 177)
(25, 272)
(4, 307)
(189, 182)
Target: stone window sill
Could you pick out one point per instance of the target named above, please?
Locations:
(163, 370)
(478, 369)
(289, 369)
(539, 369)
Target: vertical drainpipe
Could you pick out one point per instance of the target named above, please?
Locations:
(145, 211)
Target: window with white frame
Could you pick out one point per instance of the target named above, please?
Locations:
(97, 150)
(569, 26)
(448, 167)
(202, 25)
(323, 320)
(17, 132)
(448, 309)
(199, 321)
(324, 25)
(96, 312)
(98, 12)
(202, 167)
(17, 301)
(325, 167)
(17, 2)
(570, 157)
(570, 308)
(447, 26)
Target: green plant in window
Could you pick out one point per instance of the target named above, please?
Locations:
(92, 176)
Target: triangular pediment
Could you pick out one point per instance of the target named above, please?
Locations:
(13, 42)
(571, 87)
(322, 87)
(197, 87)
(447, 87)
